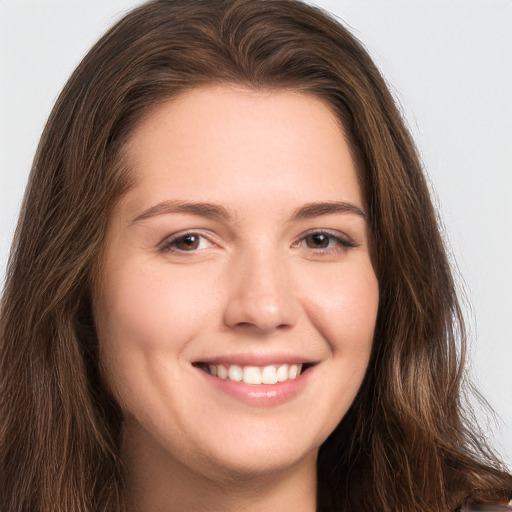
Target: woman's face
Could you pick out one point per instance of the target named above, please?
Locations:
(239, 300)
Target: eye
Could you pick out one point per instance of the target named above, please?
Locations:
(318, 240)
(325, 241)
(185, 242)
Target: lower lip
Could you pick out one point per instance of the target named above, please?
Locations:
(260, 395)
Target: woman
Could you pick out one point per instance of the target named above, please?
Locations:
(228, 288)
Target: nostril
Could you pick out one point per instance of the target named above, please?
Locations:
(263, 327)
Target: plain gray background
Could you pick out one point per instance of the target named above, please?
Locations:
(449, 63)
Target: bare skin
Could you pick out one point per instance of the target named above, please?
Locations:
(240, 253)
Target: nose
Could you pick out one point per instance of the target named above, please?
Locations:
(261, 296)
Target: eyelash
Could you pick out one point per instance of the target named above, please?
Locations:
(169, 244)
(341, 243)
(337, 242)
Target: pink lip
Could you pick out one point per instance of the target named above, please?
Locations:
(259, 395)
(258, 359)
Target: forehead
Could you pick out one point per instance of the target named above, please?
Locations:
(220, 142)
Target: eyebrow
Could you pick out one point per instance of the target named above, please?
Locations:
(311, 210)
(209, 210)
(219, 212)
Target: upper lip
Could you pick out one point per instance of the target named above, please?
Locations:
(256, 359)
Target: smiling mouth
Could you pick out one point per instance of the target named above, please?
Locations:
(271, 374)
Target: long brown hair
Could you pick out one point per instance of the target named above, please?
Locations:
(405, 443)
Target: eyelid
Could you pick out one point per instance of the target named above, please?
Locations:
(166, 244)
(344, 240)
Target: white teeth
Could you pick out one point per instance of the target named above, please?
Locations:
(221, 371)
(252, 375)
(282, 373)
(271, 374)
(235, 373)
(293, 372)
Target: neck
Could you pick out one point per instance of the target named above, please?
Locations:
(158, 482)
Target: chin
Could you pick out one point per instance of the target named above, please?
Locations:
(253, 466)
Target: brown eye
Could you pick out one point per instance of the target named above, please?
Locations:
(318, 241)
(183, 242)
(323, 242)
(187, 242)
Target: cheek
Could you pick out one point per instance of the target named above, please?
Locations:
(150, 306)
(147, 313)
(343, 304)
